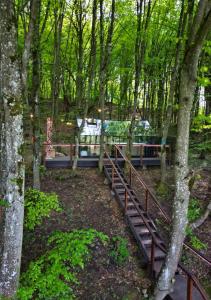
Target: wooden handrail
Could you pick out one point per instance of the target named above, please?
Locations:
(159, 206)
(190, 277)
(143, 183)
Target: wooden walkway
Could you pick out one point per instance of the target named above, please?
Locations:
(92, 162)
(144, 230)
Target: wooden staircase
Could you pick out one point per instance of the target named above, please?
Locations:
(150, 243)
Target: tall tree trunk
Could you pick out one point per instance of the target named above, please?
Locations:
(174, 78)
(91, 73)
(207, 94)
(12, 165)
(138, 65)
(140, 47)
(27, 48)
(56, 70)
(199, 30)
(104, 63)
(36, 99)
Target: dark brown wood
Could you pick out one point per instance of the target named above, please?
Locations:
(146, 199)
(112, 182)
(130, 174)
(189, 288)
(126, 201)
(152, 256)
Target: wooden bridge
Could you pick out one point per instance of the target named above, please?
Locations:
(138, 206)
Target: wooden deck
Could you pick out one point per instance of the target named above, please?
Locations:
(92, 162)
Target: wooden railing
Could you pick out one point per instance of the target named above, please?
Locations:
(139, 152)
(149, 194)
(191, 279)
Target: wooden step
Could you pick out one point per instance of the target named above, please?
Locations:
(159, 254)
(142, 230)
(136, 220)
(157, 267)
(133, 213)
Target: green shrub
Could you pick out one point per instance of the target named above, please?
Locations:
(194, 210)
(197, 244)
(4, 203)
(194, 241)
(119, 252)
(39, 205)
(43, 170)
(54, 274)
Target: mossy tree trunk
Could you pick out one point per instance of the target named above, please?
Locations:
(12, 166)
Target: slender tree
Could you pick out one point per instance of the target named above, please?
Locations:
(199, 27)
(27, 49)
(90, 74)
(105, 53)
(173, 82)
(35, 97)
(140, 47)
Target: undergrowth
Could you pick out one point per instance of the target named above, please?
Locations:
(119, 252)
(53, 275)
(194, 210)
(37, 206)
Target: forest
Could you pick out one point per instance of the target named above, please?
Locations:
(105, 149)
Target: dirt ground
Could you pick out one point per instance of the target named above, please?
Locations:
(88, 203)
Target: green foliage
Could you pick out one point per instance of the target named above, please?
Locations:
(4, 203)
(42, 170)
(197, 244)
(39, 205)
(53, 275)
(162, 190)
(194, 241)
(119, 252)
(201, 123)
(194, 210)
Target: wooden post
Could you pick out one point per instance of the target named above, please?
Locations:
(115, 153)
(146, 200)
(71, 154)
(152, 255)
(141, 155)
(130, 174)
(189, 288)
(126, 201)
(112, 178)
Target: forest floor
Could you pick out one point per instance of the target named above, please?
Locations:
(88, 203)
